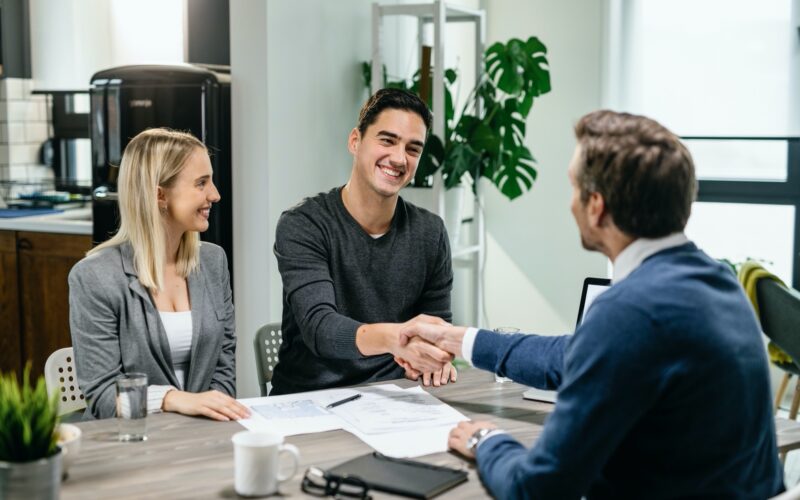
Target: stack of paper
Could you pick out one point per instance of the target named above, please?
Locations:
(396, 422)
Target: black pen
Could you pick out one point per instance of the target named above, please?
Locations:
(342, 401)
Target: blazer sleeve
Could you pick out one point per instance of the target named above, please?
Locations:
(308, 288)
(612, 376)
(533, 360)
(94, 327)
(224, 378)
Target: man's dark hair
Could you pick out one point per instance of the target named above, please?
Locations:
(392, 99)
(642, 170)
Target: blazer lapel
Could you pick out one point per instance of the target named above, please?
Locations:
(197, 298)
(155, 329)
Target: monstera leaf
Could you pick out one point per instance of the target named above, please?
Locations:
(488, 137)
(519, 67)
(461, 158)
(430, 161)
(515, 172)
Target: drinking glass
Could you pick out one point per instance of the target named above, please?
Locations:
(132, 406)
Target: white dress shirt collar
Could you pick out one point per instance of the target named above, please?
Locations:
(634, 254)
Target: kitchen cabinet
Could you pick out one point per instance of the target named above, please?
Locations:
(34, 295)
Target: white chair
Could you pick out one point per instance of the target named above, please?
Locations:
(60, 377)
(267, 344)
(790, 494)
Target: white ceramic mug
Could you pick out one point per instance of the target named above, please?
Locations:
(256, 458)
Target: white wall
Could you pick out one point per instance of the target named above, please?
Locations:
(296, 93)
(535, 264)
(73, 39)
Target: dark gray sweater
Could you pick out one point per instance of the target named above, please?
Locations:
(336, 277)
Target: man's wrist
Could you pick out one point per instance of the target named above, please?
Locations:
(376, 338)
(453, 339)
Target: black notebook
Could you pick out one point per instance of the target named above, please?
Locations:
(401, 477)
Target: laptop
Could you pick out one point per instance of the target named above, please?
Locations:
(592, 288)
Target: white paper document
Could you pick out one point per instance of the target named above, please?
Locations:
(294, 414)
(388, 408)
(396, 422)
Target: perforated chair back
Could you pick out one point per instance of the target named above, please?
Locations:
(267, 344)
(779, 313)
(60, 377)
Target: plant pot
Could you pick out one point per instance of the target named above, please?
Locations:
(39, 479)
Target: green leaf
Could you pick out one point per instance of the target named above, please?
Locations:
(516, 173)
(460, 160)
(502, 65)
(430, 161)
(29, 418)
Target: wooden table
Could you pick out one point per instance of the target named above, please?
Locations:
(187, 457)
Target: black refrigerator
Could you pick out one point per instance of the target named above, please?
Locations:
(129, 99)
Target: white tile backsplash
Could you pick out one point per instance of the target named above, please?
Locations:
(35, 132)
(23, 127)
(15, 133)
(14, 88)
(23, 154)
(18, 172)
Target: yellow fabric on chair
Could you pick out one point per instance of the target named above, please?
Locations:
(749, 275)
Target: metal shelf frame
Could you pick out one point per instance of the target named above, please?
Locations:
(439, 13)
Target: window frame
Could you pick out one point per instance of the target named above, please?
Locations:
(759, 192)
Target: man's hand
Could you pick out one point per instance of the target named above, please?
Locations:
(444, 336)
(422, 357)
(211, 404)
(381, 338)
(441, 377)
(461, 433)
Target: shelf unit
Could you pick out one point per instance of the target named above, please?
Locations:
(438, 14)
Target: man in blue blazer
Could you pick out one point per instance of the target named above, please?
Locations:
(663, 390)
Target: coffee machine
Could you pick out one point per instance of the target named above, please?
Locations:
(129, 99)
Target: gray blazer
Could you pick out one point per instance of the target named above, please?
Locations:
(116, 328)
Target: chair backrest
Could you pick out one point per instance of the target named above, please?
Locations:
(791, 494)
(779, 313)
(60, 377)
(267, 343)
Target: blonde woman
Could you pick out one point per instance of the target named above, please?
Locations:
(153, 298)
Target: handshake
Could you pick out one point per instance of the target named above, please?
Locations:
(424, 346)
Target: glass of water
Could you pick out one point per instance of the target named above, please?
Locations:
(506, 330)
(132, 407)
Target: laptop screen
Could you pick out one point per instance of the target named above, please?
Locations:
(592, 288)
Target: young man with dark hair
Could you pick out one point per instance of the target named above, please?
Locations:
(663, 390)
(358, 263)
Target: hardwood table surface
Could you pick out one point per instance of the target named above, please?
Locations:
(187, 457)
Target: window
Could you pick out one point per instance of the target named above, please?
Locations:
(723, 74)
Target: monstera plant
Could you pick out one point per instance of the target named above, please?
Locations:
(487, 139)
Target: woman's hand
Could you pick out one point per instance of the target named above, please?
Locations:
(211, 404)
(440, 377)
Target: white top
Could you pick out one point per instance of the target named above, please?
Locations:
(178, 326)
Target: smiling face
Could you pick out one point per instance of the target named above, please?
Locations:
(387, 153)
(188, 200)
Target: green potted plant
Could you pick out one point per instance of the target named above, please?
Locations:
(487, 139)
(30, 461)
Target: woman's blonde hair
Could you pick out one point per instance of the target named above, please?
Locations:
(153, 158)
